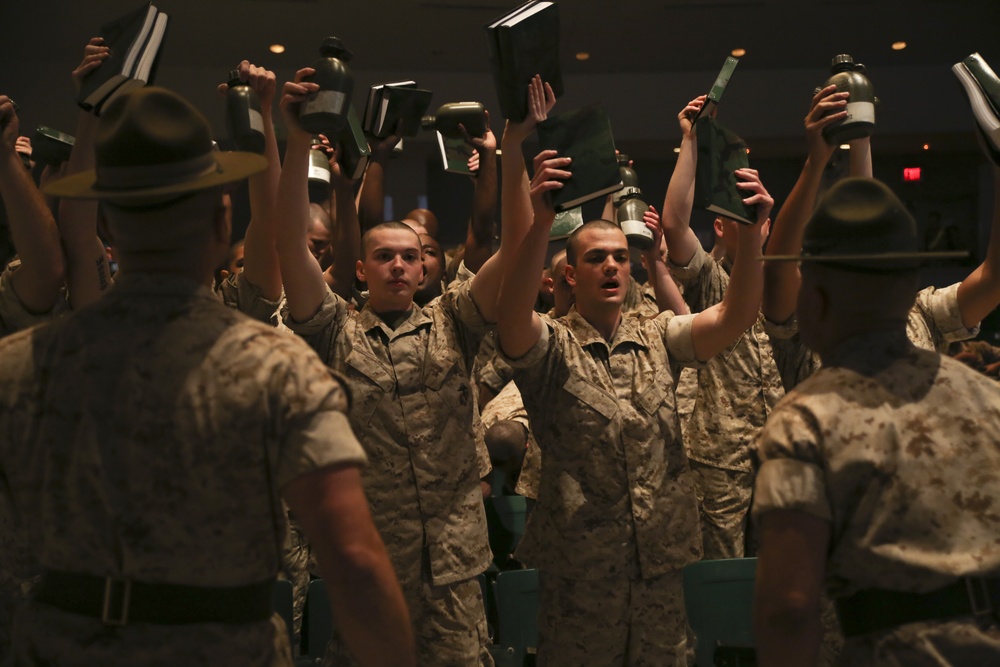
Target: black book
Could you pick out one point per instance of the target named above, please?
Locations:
(50, 146)
(400, 104)
(374, 102)
(983, 90)
(522, 43)
(134, 41)
(718, 88)
(585, 136)
(720, 153)
(354, 150)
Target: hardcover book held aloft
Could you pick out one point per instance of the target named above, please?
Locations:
(395, 103)
(522, 43)
(720, 153)
(983, 89)
(584, 135)
(135, 41)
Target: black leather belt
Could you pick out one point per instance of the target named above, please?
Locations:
(119, 601)
(875, 610)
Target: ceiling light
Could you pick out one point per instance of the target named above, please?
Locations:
(739, 53)
(583, 55)
(677, 150)
(927, 147)
(845, 146)
(277, 48)
(898, 46)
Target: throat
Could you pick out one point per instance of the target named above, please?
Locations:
(395, 318)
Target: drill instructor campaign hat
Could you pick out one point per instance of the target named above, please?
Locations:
(861, 225)
(152, 145)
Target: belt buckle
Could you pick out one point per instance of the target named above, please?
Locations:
(979, 598)
(120, 591)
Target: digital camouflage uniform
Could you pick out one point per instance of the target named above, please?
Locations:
(147, 437)
(616, 518)
(19, 569)
(736, 391)
(934, 323)
(897, 448)
(412, 409)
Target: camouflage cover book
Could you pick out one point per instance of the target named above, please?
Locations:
(566, 223)
(354, 149)
(455, 154)
(522, 43)
(720, 153)
(585, 136)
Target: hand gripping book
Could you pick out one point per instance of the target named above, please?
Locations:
(585, 136)
(522, 43)
(720, 153)
(718, 88)
(983, 89)
(354, 150)
(134, 41)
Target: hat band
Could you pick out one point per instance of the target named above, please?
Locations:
(154, 175)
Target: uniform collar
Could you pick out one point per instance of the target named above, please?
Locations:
(586, 334)
(370, 320)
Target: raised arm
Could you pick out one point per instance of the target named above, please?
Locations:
(305, 289)
(516, 214)
(717, 327)
(668, 295)
(677, 205)
(479, 239)
(260, 260)
(33, 230)
(518, 325)
(979, 294)
(364, 594)
(781, 279)
(346, 229)
(88, 274)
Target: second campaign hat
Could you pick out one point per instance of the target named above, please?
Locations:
(860, 224)
(152, 145)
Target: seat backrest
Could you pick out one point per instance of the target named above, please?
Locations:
(320, 617)
(517, 612)
(718, 597)
(281, 602)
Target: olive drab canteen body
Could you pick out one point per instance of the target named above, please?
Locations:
(849, 77)
(631, 207)
(325, 111)
(471, 115)
(244, 121)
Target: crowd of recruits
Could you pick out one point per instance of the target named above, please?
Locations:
(597, 387)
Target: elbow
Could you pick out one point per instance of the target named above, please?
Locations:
(789, 613)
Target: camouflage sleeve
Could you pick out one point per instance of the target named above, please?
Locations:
(312, 427)
(531, 470)
(13, 315)
(703, 279)
(676, 333)
(239, 293)
(469, 321)
(321, 329)
(791, 474)
(794, 360)
(939, 309)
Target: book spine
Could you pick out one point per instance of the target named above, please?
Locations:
(986, 78)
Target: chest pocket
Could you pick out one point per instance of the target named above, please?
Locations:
(370, 381)
(591, 396)
(444, 378)
(651, 398)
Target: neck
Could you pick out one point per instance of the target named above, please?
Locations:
(604, 320)
(851, 327)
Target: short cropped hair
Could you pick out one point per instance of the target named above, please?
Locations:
(571, 243)
(392, 224)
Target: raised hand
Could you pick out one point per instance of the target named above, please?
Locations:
(758, 194)
(94, 54)
(550, 172)
(262, 81)
(687, 115)
(827, 107)
(293, 94)
(541, 99)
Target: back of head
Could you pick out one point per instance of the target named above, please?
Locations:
(426, 219)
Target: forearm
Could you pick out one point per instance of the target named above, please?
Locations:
(260, 264)
(668, 295)
(679, 202)
(371, 199)
(88, 274)
(35, 236)
(346, 239)
(861, 157)
(979, 294)
(479, 239)
(786, 635)
(301, 275)
(515, 213)
(518, 326)
(781, 279)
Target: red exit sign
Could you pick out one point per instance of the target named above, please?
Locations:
(911, 174)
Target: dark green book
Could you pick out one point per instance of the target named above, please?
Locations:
(720, 153)
(354, 150)
(455, 154)
(719, 87)
(50, 146)
(522, 43)
(585, 136)
(401, 103)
